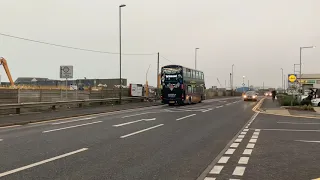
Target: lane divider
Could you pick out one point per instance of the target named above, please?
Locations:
(41, 162)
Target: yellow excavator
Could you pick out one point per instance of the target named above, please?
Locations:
(3, 62)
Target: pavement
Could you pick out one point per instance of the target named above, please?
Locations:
(158, 142)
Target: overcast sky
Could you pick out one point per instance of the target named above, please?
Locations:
(258, 36)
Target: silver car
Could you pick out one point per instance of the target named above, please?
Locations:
(250, 96)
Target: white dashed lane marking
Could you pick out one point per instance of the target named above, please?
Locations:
(230, 151)
(209, 178)
(253, 140)
(243, 160)
(216, 170)
(256, 133)
(238, 140)
(239, 171)
(243, 133)
(223, 159)
(241, 136)
(247, 152)
(234, 145)
(245, 130)
(250, 146)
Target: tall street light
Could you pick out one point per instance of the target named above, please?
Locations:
(195, 58)
(294, 68)
(120, 80)
(243, 83)
(282, 78)
(147, 84)
(301, 64)
(232, 77)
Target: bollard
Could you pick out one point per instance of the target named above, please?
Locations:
(17, 110)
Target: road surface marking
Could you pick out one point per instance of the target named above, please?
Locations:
(216, 170)
(254, 137)
(243, 160)
(82, 119)
(223, 159)
(247, 152)
(143, 130)
(308, 141)
(41, 162)
(256, 133)
(250, 146)
(69, 127)
(241, 136)
(131, 122)
(207, 110)
(243, 133)
(253, 140)
(239, 171)
(238, 140)
(5, 127)
(135, 114)
(230, 151)
(219, 107)
(234, 145)
(209, 178)
(234, 179)
(257, 130)
(295, 123)
(1, 139)
(245, 130)
(298, 130)
(185, 117)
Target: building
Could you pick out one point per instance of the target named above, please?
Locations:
(309, 81)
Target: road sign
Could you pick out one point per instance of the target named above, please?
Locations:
(66, 72)
(292, 78)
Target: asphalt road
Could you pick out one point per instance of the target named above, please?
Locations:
(158, 142)
(271, 147)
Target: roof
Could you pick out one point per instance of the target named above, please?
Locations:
(29, 79)
(309, 76)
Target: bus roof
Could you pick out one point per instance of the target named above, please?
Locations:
(175, 65)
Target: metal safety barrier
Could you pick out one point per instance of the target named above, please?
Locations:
(80, 103)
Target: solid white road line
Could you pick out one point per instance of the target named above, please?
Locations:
(308, 141)
(185, 117)
(234, 145)
(41, 162)
(209, 178)
(243, 160)
(247, 152)
(230, 151)
(136, 114)
(243, 133)
(295, 123)
(223, 159)
(82, 119)
(69, 127)
(253, 140)
(216, 170)
(297, 130)
(238, 140)
(239, 171)
(143, 130)
(5, 127)
(250, 146)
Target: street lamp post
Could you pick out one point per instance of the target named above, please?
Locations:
(243, 84)
(232, 79)
(195, 58)
(147, 85)
(294, 68)
(301, 64)
(282, 77)
(120, 80)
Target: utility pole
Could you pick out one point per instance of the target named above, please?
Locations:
(120, 80)
(158, 80)
(248, 85)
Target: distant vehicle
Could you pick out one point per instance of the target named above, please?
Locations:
(268, 94)
(250, 96)
(181, 85)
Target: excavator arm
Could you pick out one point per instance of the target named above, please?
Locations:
(3, 62)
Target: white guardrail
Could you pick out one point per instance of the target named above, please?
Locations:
(80, 103)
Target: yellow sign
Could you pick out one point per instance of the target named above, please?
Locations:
(292, 78)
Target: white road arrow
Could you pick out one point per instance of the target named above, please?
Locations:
(131, 122)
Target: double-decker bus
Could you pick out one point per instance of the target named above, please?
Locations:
(181, 85)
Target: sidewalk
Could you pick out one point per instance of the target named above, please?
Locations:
(270, 107)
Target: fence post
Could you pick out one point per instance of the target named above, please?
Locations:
(19, 95)
(40, 96)
(60, 94)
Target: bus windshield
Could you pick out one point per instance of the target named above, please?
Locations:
(172, 75)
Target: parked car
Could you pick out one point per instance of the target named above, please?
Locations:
(315, 102)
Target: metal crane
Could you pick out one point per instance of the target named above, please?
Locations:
(3, 62)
